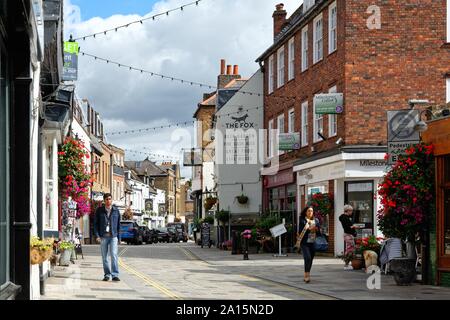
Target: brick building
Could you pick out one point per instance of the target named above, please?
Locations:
(379, 56)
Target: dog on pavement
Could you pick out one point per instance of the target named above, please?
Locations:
(371, 259)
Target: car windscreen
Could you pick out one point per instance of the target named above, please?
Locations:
(162, 229)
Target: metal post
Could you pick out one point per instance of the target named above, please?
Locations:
(229, 223)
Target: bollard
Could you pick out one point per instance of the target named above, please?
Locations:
(247, 234)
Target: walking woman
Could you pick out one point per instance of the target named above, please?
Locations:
(310, 230)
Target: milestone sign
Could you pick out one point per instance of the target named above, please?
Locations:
(278, 230)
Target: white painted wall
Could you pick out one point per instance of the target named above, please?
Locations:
(232, 177)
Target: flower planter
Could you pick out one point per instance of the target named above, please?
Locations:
(242, 199)
(209, 202)
(357, 264)
(35, 256)
(64, 260)
(404, 270)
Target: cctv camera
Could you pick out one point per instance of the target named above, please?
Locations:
(339, 141)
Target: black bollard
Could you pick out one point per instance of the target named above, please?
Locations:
(246, 249)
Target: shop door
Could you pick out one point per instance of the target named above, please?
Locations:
(359, 195)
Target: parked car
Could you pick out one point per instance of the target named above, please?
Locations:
(173, 234)
(130, 232)
(163, 235)
(147, 234)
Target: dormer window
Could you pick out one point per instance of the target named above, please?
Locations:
(308, 4)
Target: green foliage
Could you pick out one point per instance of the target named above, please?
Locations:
(223, 216)
(66, 245)
(209, 219)
(267, 222)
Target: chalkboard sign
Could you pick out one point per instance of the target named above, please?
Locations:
(206, 235)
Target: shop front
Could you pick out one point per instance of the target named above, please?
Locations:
(438, 134)
(280, 198)
(350, 176)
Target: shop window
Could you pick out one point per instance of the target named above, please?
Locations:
(360, 196)
(273, 199)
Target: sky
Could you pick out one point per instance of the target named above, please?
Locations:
(187, 45)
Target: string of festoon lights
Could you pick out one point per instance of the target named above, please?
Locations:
(140, 21)
(160, 156)
(175, 79)
(181, 124)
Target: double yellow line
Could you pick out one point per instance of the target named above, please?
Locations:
(191, 256)
(147, 279)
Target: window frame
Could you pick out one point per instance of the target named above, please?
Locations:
(270, 150)
(281, 68)
(316, 48)
(448, 88)
(448, 21)
(280, 129)
(305, 49)
(332, 124)
(291, 121)
(291, 59)
(332, 43)
(317, 119)
(271, 75)
(305, 125)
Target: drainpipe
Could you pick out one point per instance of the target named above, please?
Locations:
(39, 196)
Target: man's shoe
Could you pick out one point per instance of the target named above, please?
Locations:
(115, 279)
(106, 279)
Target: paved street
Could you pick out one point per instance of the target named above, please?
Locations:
(186, 271)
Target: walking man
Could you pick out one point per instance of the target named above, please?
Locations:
(106, 230)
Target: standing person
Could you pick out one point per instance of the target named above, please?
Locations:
(107, 232)
(310, 230)
(349, 232)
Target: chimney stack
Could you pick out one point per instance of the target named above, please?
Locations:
(236, 69)
(279, 19)
(222, 66)
(229, 69)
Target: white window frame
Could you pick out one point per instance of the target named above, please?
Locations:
(317, 125)
(318, 41)
(448, 89)
(271, 74)
(448, 21)
(332, 28)
(280, 129)
(291, 48)
(270, 139)
(280, 67)
(291, 120)
(305, 48)
(305, 126)
(307, 4)
(332, 118)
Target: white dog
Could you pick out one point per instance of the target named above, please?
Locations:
(371, 258)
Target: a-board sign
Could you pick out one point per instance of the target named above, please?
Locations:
(278, 230)
(206, 235)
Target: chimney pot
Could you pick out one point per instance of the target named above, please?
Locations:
(229, 69)
(222, 66)
(279, 6)
(236, 69)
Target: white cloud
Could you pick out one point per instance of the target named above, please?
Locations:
(187, 45)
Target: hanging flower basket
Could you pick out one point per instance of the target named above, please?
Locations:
(242, 199)
(322, 203)
(209, 202)
(40, 250)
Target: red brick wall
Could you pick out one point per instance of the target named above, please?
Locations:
(403, 60)
(378, 70)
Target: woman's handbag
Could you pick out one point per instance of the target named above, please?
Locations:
(299, 238)
(321, 244)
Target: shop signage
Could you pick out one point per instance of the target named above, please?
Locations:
(284, 177)
(329, 103)
(278, 230)
(70, 68)
(372, 163)
(289, 141)
(239, 122)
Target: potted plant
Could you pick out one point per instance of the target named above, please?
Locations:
(370, 243)
(242, 199)
(40, 250)
(210, 202)
(209, 219)
(66, 248)
(407, 194)
(347, 257)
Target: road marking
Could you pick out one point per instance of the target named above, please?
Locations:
(307, 293)
(147, 279)
(191, 256)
